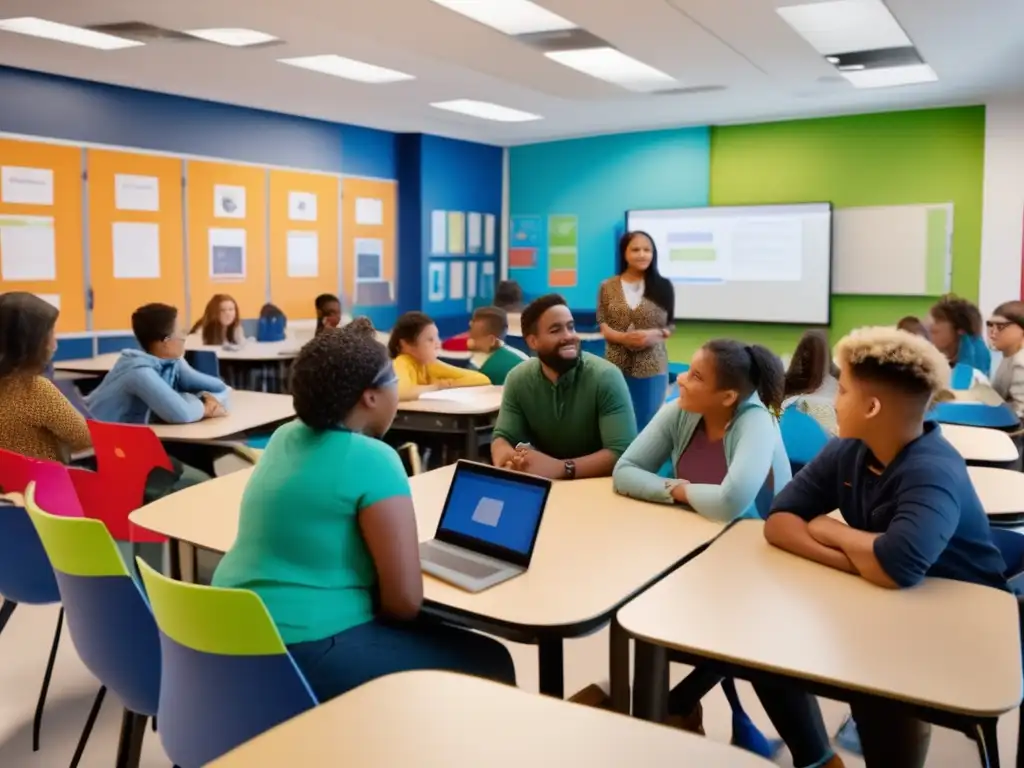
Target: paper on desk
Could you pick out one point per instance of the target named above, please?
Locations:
(136, 193)
(369, 210)
(303, 254)
(455, 394)
(136, 250)
(27, 249)
(26, 186)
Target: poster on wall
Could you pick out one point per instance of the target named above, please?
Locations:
(490, 236)
(28, 249)
(435, 278)
(456, 233)
(136, 250)
(475, 223)
(303, 254)
(457, 280)
(524, 240)
(302, 206)
(369, 211)
(228, 202)
(227, 254)
(562, 250)
(26, 186)
(438, 233)
(136, 193)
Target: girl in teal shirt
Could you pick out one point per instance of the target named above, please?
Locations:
(327, 533)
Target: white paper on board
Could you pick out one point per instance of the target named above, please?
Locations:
(303, 254)
(369, 259)
(53, 299)
(436, 277)
(457, 280)
(301, 206)
(136, 250)
(489, 233)
(370, 211)
(487, 267)
(476, 233)
(136, 193)
(28, 251)
(439, 233)
(26, 186)
(228, 202)
(471, 284)
(227, 254)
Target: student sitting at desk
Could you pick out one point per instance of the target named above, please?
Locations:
(910, 507)
(566, 413)
(328, 312)
(327, 533)
(491, 356)
(413, 345)
(221, 323)
(36, 420)
(810, 384)
(955, 326)
(1006, 334)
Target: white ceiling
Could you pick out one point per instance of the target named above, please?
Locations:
(977, 49)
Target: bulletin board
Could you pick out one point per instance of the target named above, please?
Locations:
(136, 240)
(41, 226)
(226, 210)
(369, 209)
(304, 211)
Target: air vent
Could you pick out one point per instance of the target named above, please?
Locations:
(693, 91)
(882, 58)
(562, 40)
(144, 33)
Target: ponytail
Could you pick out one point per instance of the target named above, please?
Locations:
(749, 368)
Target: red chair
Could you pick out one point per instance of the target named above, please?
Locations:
(125, 456)
(456, 343)
(14, 472)
(54, 487)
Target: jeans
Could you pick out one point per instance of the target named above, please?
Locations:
(889, 737)
(359, 654)
(648, 395)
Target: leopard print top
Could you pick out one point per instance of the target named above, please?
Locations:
(614, 311)
(37, 421)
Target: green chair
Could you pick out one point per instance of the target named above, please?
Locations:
(227, 676)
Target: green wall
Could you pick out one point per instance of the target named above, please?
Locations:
(927, 156)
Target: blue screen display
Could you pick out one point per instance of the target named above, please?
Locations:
(501, 512)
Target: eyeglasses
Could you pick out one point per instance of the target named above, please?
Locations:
(386, 378)
(1000, 325)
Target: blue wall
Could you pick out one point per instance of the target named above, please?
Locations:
(597, 180)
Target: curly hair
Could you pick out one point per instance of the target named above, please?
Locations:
(964, 316)
(896, 358)
(333, 370)
(407, 328)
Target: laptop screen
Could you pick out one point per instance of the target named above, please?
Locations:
(494, 511)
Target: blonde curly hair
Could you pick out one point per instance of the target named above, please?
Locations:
(897, 357)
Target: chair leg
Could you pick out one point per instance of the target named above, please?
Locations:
(988, 742)
(89, 723)
(6, 609)
(129, 746)
(37, 722)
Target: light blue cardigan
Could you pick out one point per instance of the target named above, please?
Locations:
(753, 448)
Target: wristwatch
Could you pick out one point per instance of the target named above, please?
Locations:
(570, 469)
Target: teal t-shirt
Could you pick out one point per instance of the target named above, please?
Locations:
(299, 546)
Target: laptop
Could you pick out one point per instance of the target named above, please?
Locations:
(488, 527)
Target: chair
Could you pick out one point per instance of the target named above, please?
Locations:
(961, 377)
(227, 676)
(204, 361)
(975, 415)
(802, 435)
(109, 620)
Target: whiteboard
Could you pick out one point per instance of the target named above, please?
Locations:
(893, 250)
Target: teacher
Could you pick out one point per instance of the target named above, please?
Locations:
(634, 310)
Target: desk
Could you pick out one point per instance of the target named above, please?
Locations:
(247, 411)
(1001, 492)
(439, 719)
(754, 611)
(982, 446)
(470, 412)
(595, 551)
(99, 365)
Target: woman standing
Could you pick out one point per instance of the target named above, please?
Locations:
(635, 310)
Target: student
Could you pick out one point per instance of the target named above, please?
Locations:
(327, 533)
(1006, 335)
(635, 310)
(36, 420)
(810, 383)
(491, 356)
(509, 296)
(221, 323)
(910, 508)
(413, 345)
(955, 326)
(328, 312)
(156, 381)
(566, 413)
(913, 325)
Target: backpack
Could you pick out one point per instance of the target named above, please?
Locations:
(272, 324)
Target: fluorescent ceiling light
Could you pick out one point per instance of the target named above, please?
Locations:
(890, 77)
(513, 17)
(845, 26)
(614, 66)
(486, 111)
(65, 33)
(350, 69)
(236, 38)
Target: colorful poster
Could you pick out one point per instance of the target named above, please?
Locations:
(563, 253)
(456, 233)
(436, 280)
(524, 241)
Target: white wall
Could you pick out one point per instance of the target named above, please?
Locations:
(1002, 238)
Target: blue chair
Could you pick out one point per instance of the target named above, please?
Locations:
(675, 370)
(227, 676)
(975, 415)
(961, 377)
(204, 361)
(802, 435)
(109, 619)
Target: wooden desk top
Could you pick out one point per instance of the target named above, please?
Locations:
(980, 444)
(443, 720)
(1001, 490)
(595, 548)
(471, 401)
(246, 411)
(945, 644)
(98, 364)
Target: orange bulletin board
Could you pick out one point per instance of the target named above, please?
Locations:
(353, 229)
(226, 206)
(41, 239)
(303, 217)
(136, 242)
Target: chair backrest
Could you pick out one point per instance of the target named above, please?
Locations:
(25, 572)
(961, 377)
(204, 361)
(974, 415)
(14, 472)
(109, 620)
(126, 454)
(54, 488)
(802, 435)
(227, 676)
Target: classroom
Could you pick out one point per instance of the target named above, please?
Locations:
(539, 380)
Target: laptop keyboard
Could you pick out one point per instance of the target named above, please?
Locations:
(454, 562)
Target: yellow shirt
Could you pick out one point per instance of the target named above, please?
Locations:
(412, 374)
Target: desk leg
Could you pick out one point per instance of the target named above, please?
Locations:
(471, 447)
(174, 559)
(181, 561)
(988, 742)
(618, 656)
(650, 682)
(552, 664)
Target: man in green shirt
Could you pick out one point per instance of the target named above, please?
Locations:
(566, 413)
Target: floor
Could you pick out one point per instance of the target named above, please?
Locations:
(25, 642)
